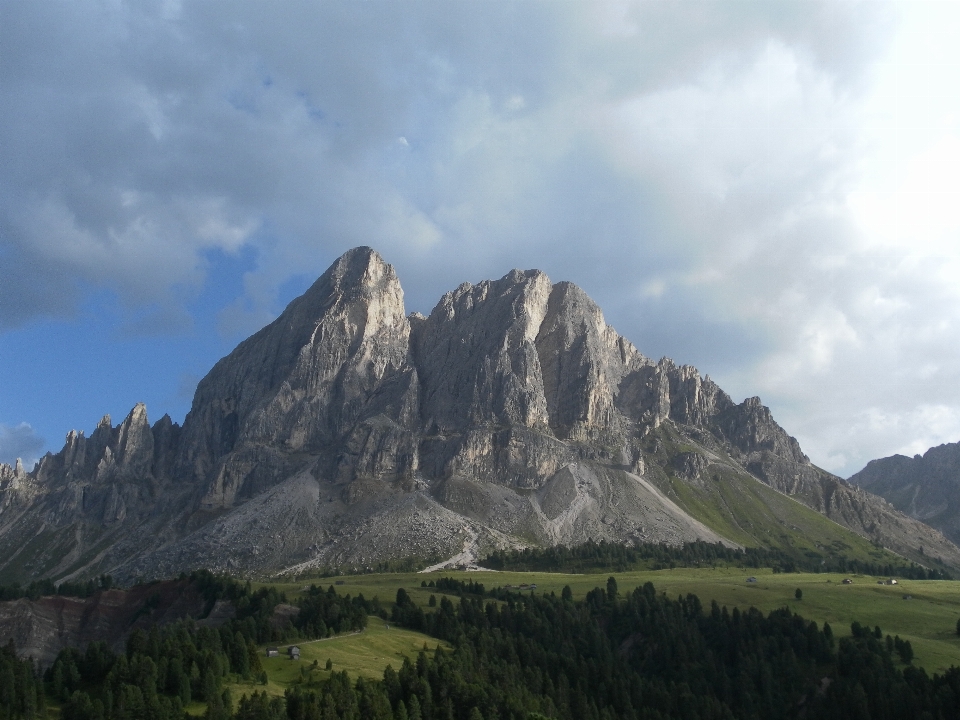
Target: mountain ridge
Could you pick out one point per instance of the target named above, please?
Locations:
(347, 432)
(925, 487)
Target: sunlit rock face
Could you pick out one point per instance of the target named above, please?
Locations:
(347, 433)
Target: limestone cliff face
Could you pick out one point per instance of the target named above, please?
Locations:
(347, 432)
(10, 475)
(478, 359)
(316, 378)
(480, 380)
(584, 364)
(926, 487)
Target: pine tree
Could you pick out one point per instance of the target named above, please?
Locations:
(611, 588)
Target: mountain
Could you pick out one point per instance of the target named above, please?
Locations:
(925, 487)
(348, 433)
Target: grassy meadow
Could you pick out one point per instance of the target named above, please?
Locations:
(364, 654)
(928, 620)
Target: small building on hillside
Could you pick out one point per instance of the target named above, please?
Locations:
(273, 652)
(294, 652)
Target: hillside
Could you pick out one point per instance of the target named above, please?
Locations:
(40, 628)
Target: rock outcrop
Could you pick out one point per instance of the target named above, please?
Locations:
(348, 433)
(766, 451)
(103, 496)
(925, 487)
(43, 627)
(333, 363)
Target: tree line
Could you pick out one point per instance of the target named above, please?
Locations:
(166, 668)
(69, 588)
(637, 655)
(641, 656)
(591, 557)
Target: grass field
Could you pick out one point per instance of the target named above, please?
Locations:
(361, 654)
(928, 620)
(364, 654)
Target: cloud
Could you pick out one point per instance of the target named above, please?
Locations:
(703, 169)
(20, 441)
(156, 133)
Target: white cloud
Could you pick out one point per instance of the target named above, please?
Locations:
(20, 441)
(756, 187)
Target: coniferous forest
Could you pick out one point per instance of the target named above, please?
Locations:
(604, 556)
(530, 656)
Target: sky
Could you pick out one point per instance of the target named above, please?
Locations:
(766, 190)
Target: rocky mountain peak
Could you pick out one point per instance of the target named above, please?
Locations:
(303, 381)
(347, 432)
(584, 362)
(11, 478)
(476, 358)
(751, 427)
(363, 286)
(925, 486)
(134, 443)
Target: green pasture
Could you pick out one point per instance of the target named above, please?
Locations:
(928, 620)
(364, 654)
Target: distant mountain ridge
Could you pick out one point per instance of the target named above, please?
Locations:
(925, 487)
(347, 433)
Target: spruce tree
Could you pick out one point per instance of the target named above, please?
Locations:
(611, 588)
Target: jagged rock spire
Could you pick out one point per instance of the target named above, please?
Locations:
(346, 431)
